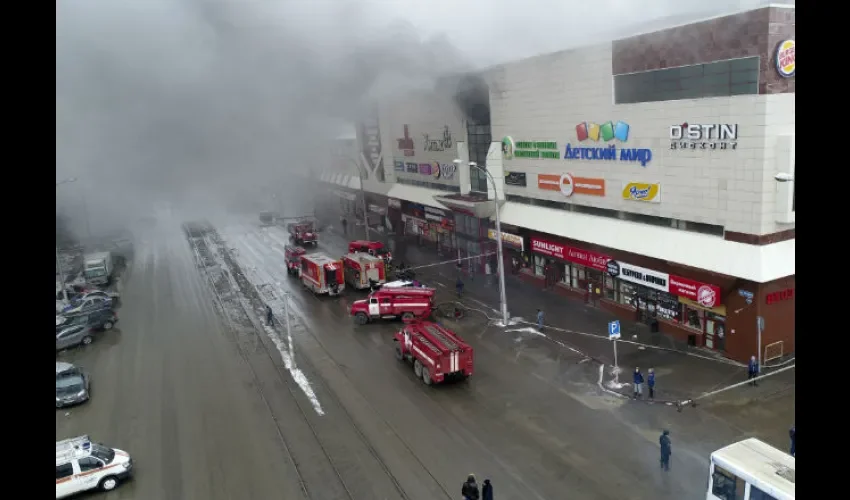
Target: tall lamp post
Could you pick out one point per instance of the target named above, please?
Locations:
(58, 260)
(362, 197)
(501, 264)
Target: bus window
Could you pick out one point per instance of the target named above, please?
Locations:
(726, 486)
(757, 494)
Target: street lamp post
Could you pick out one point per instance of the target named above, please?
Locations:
(501, 264)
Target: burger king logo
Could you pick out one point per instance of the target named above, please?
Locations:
(786, 58)
(706, 296)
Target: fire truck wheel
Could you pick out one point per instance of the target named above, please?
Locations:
(398, 354)
(417, 368)
(407, 316)
(361, 318)
(426, 375)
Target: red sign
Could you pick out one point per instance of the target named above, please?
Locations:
(571, 254)
(706, 295)
(773, 298)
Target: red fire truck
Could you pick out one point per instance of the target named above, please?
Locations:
(303, 232)
(375, 248)
(322, 274)
(437, 354)
(386, 303)
(293, 259)
(362, 269)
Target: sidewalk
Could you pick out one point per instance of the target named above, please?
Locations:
(682, 372)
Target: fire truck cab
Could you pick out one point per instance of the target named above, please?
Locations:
(293, 259)
(386, 303)
(303, 232)
(437, 353)
(375, 248)
(322, 274)
(362, 269)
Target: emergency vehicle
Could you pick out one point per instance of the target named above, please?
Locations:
(360, 268)
(437, 353)
(292, 255)
(322, 274)
(82, 465)
(303, 232)
(385, 303)
(375, 248)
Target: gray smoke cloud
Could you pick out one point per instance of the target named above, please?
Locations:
(205, 102)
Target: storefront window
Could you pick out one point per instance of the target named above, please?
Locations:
(627, 294)
(693, 317)
(610, 288)
(577, 276)
(539, 264)
(668, 307)
(565, 276)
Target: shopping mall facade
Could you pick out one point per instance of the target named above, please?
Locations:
(638, 176)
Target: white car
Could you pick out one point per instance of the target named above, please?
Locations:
(82, 465)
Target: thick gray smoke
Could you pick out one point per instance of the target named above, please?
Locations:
(207, 101)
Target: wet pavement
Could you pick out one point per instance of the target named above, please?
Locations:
(213, 404)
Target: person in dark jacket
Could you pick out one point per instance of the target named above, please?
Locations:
(753, 370)
(666, 449)
(487, 490)
(344, 223)
(470, 489)
(637, 378)
(650, 382)
(791, 434)
(459, 286)
(269, 316)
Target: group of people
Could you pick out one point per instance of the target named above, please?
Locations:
(637, 378)
(470, 491)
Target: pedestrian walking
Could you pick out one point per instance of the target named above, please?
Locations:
(637, 378)
(793, 442)
(470, 489)
(269, 316)
(666, 449)
(344, 223)
(540, 320)
(650, 382)
(459, 286)
(753, 371)
(487, 490)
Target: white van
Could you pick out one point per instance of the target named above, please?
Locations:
(751, 470)
(82, 465)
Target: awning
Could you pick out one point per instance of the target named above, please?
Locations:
(423, 196)
(712, 253)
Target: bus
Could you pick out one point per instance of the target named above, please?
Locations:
(750, 470)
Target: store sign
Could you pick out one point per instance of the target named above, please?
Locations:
(443, 143)
(717, 136)
(571, 254)
(445, 171)
(411, 168)
(569, 185)
(405, 144)
(511, 240)
(786, 58)
(425, 168)
(398, 166)
(515, 179)
(773, 298)
(529, 149)
(394, 203)
(639, 275)
(508, 147)
(705, 295)
(608, 131)
(641, 191)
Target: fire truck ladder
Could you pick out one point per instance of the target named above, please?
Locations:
(451, 344)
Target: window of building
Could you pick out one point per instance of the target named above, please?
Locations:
(628, 293)
(610, 287)
(693, 317)
(565, 276)
(539, 265)
(578, 277)
(716, 79)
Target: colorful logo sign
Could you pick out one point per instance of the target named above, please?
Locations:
(447, 170)
(411, 167)
(508, 147)
(537, 149)
(442, 144)
(608, 131)
(405, 144)
(641, 191)
(398, 166)
(425, 168)
(435, 170)
(786, 58)
(569, 185)
(704, 136)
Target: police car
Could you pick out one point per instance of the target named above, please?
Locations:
(82, 465)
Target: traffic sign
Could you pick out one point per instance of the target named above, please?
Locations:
(614, 330)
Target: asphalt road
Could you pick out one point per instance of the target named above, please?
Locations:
(212, 404)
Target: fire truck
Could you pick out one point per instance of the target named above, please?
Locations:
(303, 231)
(362, 269)
(371, 247)
(322, 274)
(386, 303)
(437, 354)
(293, 259)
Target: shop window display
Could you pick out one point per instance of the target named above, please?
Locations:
(610, 288)
(628, 294)
(693, 317)
(539, 264)
(668, 307)
(578, 276)
(565, 276)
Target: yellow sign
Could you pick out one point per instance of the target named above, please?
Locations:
(642, 191)
(510, 239)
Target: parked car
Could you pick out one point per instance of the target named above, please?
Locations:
(72, 385)
(80, 292)
(82, 329)
(88, 302)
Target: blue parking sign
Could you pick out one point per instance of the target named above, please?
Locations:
(614, 330)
